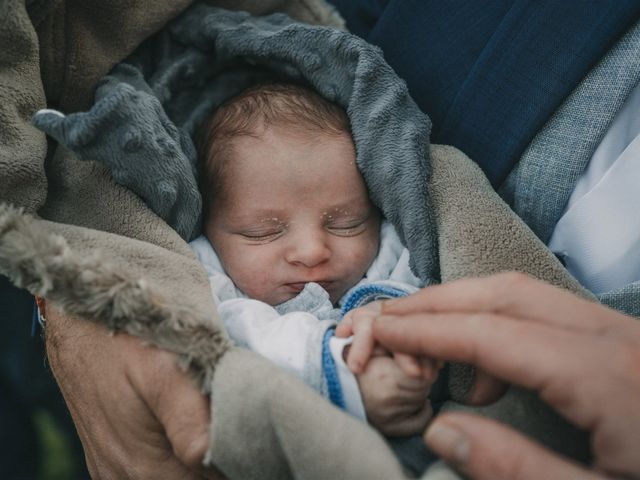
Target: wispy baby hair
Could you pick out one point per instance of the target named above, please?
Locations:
(248, 114)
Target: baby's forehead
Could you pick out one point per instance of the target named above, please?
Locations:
(292, 147)
(284, 158)
(278, 215)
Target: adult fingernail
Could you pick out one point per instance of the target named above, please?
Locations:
(449, 442)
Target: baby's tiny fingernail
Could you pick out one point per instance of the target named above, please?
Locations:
(449, 442)
(389, 303)
(384, 318)
(355, 366)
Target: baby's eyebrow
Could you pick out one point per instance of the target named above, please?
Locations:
(260, 213)
(260, 218)
(346, 209)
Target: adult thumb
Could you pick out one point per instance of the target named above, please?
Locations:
(184, 414)
(484, 449)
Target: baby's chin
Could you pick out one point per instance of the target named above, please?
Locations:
(274, 298)
(283, 295)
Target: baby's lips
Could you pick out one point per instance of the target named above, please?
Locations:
(295, 286)
(326, 284)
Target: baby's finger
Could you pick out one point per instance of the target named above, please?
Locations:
(409, 364)
(362, 345)
(379, 351)
(410, 398)
(411, 424)
(345, 327)
(413, 390)
(419, 367)
(430, 368)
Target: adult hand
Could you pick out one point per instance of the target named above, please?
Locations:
(358, 323)
(137, 414)
(582, 358)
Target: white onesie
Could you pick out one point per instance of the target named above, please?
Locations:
(297, 335)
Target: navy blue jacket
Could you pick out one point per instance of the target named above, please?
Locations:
(490, 73)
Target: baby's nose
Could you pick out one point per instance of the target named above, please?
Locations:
(308, 249)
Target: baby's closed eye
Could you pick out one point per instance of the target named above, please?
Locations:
(347, 227)
(261, 235)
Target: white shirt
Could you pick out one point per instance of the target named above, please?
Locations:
(599, 233)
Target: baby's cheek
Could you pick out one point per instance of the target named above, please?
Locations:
(355, 263)
(262, 281)
(255, 283)
(365, 255)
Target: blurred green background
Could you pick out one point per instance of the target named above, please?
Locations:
(37, 438)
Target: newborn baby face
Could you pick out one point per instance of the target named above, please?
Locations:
(293, 209)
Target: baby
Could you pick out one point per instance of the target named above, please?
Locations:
(290, 233)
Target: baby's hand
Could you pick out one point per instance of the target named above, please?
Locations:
(358, 322)
(395, 403)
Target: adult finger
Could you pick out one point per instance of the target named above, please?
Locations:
(531, 355)
(488, 341)
(513, 294)
(484, 449)
(183, 412)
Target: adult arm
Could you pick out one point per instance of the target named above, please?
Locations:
(137, 414)
(582, 359)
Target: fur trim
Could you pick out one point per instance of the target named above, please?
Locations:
(96, 288)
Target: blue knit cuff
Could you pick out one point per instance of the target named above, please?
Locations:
(331, 371)
(368, 293)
